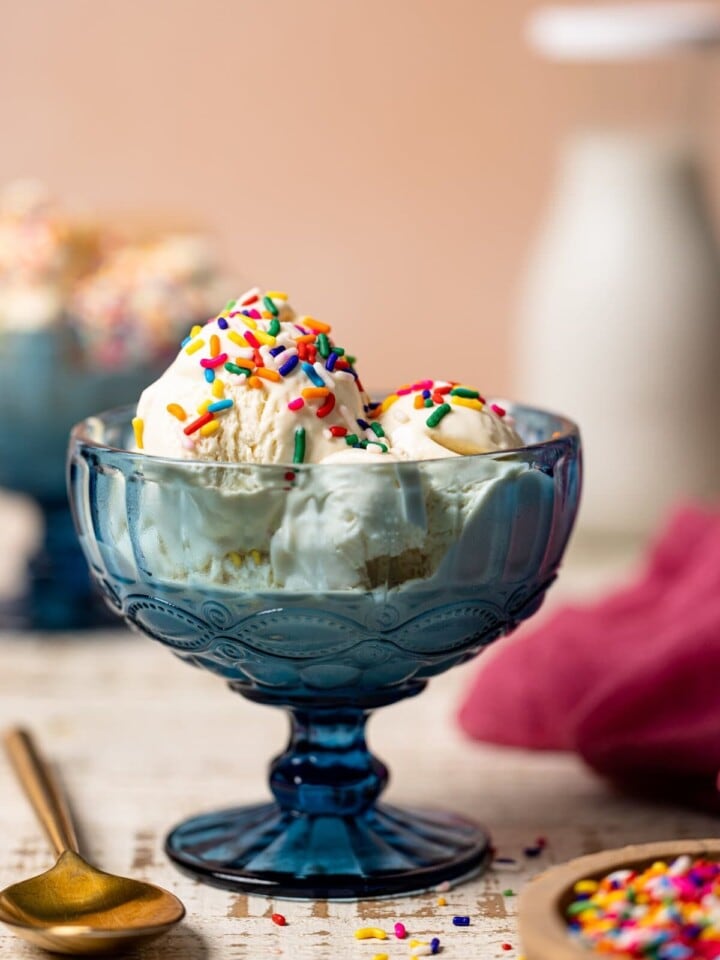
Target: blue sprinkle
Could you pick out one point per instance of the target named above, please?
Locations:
(461, 921)
(374, 405)
(363, 424)
(220, 405)
(288, 366)
(434, 945)
(222, 323)
(312, 374)
(274, 351)
(426, 394)
(331, 361)
(209, 375)
(186, 341)
(532, 851)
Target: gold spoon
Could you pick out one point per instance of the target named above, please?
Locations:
(75, 908)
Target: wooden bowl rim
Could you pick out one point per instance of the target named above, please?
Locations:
(543, 928)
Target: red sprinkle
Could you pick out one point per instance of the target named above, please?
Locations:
(251, 339)
(442, 390)
(311, 352)
(217, 361)
(297, 404)
(338, 431)
(289, 476)
(500, 411)
(437, 397)
(423, 385)
(196, 424)
(302, 349)
(279, 919)
(257, 357)
(506, 946)
(246, 301)
(327, 406)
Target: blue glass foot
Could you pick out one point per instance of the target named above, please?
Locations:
(58, 593)
(324, 836)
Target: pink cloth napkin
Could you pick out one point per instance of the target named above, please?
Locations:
(631, 683)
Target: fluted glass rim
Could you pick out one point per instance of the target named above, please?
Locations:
(566, 430)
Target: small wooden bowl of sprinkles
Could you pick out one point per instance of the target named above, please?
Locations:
(653, 900)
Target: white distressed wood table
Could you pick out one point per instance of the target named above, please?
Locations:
(143, 741)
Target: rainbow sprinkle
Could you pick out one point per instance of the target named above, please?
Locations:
(436, 416)
(665, 911)
(299, 452)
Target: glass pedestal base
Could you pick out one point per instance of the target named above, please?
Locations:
(383, 852)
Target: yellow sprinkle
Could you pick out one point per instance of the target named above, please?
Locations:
(310, 393)
(203, 406)
(381, 956)
(586, 886)
(214, 345)
(195, 346)
(417, 943)
(265, 338)
(249, 322)
(315, 325)
(466, 402)
(388, 402)
(235, 558)
(177, 411)
(370, 933)
(210, 428)
(138, 426)
(255, 554)
(218, 388)
(267, 374)
(276, 295)
(255, 382)
(441, 902)
(195, 330)
(237, 338)
(419, 401)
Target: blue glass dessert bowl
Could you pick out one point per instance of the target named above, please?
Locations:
(328, 590)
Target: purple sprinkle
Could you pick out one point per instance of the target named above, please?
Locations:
(331, 361)
(222, 323)
(434, 945)
(288, 366)
(426, 394)
(302, 330)
(363, 424)
(274, 351)
(532, 851)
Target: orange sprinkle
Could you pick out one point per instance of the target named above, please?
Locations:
(247, 364)
(177, 411)
(237, 338)
(255, 382)
(214, 345)
(306, 338)
(265, 314)
(267, 374)
(315, 325)
(419, 401)
(310, 393)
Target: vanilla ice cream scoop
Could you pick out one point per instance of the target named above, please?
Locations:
(258, 384)
(437, 418)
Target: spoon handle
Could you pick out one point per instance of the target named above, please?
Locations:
(42, 790)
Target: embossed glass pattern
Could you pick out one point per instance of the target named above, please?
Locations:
(328, 590)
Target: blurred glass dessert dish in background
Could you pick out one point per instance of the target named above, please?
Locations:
(263, 518)
(87, 316)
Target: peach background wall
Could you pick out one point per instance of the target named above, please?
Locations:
(385, 161)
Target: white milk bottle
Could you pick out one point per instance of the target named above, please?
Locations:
(619, 323)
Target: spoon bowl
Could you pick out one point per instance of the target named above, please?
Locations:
(74, 908)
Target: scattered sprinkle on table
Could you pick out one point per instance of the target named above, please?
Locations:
(400, 931)
(461, 921)
(370, 933)
(279, 919)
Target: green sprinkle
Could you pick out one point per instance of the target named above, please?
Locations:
(427, 402)
(464, 392)
(352, 439)
(351, 360)
(436, 416)
(274, 327)
(299, 454)
(229, 305)
(323, 345)
(377, 429)
(270, 305)
(508, 893)
(376, 443)
(234, 368)
(340, 351)
(580, 906)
